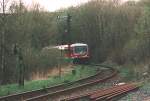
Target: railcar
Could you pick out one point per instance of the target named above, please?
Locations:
(78, 52)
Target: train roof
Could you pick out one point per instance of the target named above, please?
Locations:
(78, 44)
(63, 47)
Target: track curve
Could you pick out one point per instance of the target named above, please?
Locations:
(44, 94)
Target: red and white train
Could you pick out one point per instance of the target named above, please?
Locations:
(79, 52)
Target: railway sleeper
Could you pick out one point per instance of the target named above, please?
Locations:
(109, 95)
(115, 94)
(106, 91)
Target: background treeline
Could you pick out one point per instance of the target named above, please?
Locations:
(115, 31)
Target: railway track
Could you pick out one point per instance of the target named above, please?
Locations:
(46, 93)
(105, 94)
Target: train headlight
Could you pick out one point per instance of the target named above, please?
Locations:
(76, 56)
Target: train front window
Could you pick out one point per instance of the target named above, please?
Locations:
(80, 49)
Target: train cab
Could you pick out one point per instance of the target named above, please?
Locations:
(78, 52)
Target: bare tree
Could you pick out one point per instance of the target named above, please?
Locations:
(3, 20)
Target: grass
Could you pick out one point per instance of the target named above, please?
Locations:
(80, 72)
(127, 73)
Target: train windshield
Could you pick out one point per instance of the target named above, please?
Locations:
(80, 49)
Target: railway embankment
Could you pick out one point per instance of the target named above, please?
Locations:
(77, 72)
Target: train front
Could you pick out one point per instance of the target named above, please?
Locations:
(80, 53)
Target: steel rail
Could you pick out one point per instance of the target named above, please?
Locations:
(48, 95)
(112, 94)
(28, 94)
(106, 94)
(54, 89)
(90, 94)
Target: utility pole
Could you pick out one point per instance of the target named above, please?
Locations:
(68, 26)
(67, 29)
(20, 64)
(3, 43)
(67, 37)
(68, 32)
(20, 6)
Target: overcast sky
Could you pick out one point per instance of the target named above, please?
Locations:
(52, 5)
